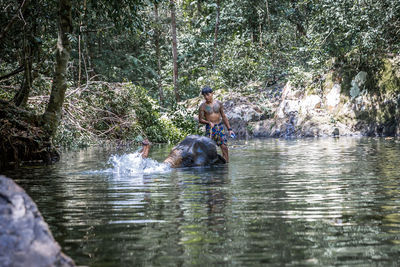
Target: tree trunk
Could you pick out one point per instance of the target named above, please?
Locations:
(174, 50)
(158, 54)
(88, 49)
(254, 24)
(80, 53)
(52, 115)
(268, 16)
(21, 98)
(216, 33)
(199, 9)
(295, 18)
(29, 47)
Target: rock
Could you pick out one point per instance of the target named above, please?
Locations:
(310, 103)
(288, 107)
(320, 108)
(389, 79)
(240, 113)
(290, 102)
(265, 128)
(357, 84)
(336, 132)
(25, 238)
(347, 111)
(245, 112)
(333, 97)
(291, 93)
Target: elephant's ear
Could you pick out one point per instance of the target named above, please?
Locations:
(220, 160)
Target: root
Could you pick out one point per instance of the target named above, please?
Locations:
(22, 141)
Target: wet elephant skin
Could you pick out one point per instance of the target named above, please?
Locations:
(194, 150)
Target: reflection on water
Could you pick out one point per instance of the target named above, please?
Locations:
(298, 202)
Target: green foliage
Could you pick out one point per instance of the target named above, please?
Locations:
(258, 41)
(357, 33)
(389, 80)
(69, 137)
(173, 126)
(240, 62)
(184, 119)
(148, 117)
(122, 112)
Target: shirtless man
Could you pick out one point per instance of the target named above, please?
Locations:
(211, 113)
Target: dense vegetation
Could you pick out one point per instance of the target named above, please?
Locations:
(125, 77)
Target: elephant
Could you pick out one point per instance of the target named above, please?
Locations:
(193, 151)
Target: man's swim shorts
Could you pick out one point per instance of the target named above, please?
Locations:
(217, 133)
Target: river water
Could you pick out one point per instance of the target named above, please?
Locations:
(279, 202)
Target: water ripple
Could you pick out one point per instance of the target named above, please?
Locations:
(323, 202)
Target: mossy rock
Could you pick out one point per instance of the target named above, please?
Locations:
(312, 89)
(368, 116)
(389, 81)
(329, 81)
(385, 114)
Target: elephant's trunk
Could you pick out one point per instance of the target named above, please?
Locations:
(174, 158)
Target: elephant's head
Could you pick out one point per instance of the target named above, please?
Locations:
(194, 150)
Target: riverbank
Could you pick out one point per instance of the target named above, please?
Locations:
(334, 103)
(327, 105)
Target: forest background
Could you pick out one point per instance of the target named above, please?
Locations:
(131, 64)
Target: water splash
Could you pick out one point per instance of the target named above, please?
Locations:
(133, 164)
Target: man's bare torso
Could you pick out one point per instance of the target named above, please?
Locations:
(212, 111)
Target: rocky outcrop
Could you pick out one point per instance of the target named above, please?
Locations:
(321, 108)
(241, 112)
(325, 109)
(25, 238)
(301, 114)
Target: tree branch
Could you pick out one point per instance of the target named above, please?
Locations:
(20, 69)
(20, 10)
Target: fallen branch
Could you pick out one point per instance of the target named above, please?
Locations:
(18, 70)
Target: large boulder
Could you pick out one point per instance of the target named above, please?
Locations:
(333, 97)
(25, 238)
(240, 113)
(194, 150)
(310, 113)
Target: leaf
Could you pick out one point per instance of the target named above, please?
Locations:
(71, 38)
(139, 138)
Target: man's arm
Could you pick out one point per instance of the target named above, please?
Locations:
(145, 149)
(225, 119)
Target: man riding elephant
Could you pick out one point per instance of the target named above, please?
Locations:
(193, 151)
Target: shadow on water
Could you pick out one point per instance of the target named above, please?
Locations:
(298, 202)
